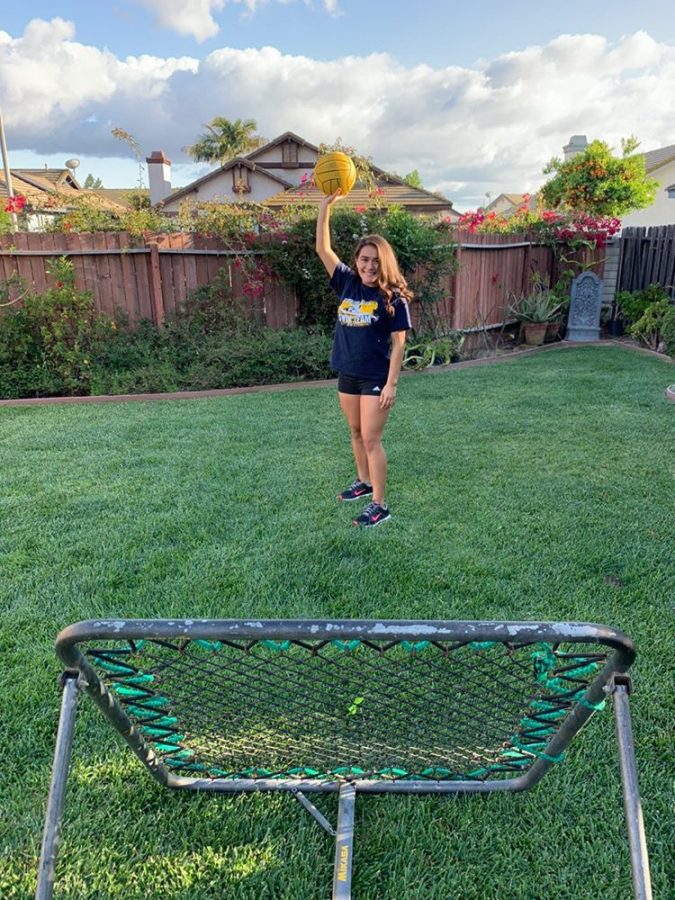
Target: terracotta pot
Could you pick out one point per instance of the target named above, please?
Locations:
(534, 333)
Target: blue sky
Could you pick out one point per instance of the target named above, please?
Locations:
(477, 97)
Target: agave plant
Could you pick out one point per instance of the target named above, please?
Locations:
(424, 353)
(540, 305)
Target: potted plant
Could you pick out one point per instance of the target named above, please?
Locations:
(615, 323)
(535, 311)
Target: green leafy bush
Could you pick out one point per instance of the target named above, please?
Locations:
(5, 222)
(177, 359)
(47, 345)
(633, 304)
(211, 343)
(668, 331)
(651, 314)
(58, 344)
(649, 326)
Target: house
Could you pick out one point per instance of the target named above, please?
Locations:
(276, 175)
(50, 193)
(508, 204)
(390, 190)
(660, 164)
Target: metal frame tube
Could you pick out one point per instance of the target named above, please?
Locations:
(313, 811)
(639, 858)
(57, 789)
(344, 844)
(390, 631)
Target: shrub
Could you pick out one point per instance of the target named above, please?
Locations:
(633, 304)
(648, 327)
(668, 331)
(651, 315)
(176, 358)
(46, 346)
(211, 343)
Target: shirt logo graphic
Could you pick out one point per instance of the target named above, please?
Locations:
(357, 314)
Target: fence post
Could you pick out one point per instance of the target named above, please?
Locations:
(454, 320)
(156, 285)
(527, 262)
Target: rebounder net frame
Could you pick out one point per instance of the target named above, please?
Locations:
(345, 706)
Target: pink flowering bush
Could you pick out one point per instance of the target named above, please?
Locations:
(15, 204)
(573, 228)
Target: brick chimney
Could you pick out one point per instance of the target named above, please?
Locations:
(577, 144)
(159, 176)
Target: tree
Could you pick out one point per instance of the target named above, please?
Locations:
(414, 179)
(598, 183)
(224, 140)
(91, 183)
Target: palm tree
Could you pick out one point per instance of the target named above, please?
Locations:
(224, 140)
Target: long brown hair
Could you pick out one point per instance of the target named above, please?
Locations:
(390, 281)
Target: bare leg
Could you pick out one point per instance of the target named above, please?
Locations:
(373, 420)
(351, 407)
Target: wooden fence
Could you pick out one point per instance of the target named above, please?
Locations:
(152, 277)
(647, 256)
(145, 278)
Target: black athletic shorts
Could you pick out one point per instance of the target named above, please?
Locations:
(348, 384)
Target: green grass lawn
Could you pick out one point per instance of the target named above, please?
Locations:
(539, 489)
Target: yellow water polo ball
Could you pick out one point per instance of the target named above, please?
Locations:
(334, 170)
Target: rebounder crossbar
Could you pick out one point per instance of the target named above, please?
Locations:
(346, 707)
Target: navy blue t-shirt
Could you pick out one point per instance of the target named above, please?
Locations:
(362, 346)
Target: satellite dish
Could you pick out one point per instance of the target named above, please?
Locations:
(72, 163)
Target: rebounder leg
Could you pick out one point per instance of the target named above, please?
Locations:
(344, 844)
(631, 794)
(57, 790)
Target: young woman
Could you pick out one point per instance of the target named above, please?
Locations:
(372, 321)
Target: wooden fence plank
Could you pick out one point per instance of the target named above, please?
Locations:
(156, 296)
(647, 256)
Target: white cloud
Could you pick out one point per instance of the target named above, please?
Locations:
(188, 17)
(467, 130)
(194, 17)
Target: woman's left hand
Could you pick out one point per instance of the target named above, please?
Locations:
(387, 397)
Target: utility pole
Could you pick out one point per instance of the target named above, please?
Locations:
(8, 174)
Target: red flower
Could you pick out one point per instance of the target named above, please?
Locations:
(359, 209)
(15, 203)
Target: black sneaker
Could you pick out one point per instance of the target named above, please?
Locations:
(356, 490)
(373, 514)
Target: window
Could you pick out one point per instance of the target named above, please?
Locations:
(289, 153)
(671, 192)
(240, 182)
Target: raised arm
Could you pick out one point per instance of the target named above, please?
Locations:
(326, 253)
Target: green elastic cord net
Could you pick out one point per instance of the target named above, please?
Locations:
(331, 710)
